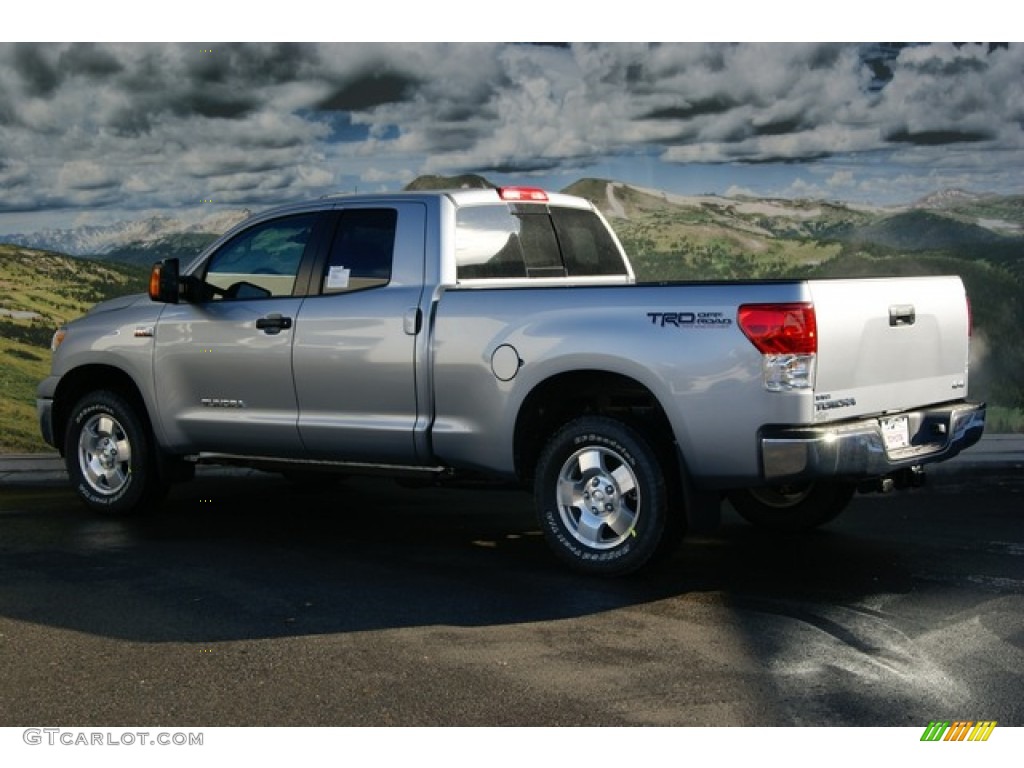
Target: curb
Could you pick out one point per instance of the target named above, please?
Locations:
(32, 468)
(29, 469)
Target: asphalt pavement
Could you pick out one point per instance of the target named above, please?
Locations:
(248, 600)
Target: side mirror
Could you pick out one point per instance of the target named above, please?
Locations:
(164, 282)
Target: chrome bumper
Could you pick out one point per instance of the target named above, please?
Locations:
(856, 449)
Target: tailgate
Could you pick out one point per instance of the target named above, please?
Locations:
(889, 344)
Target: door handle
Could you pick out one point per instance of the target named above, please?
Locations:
(412, 321)
(901, 315)
(273, 324)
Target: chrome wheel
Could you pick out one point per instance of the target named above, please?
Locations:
(602, 497)
(109, 458)
(104, 454)
(598, 497)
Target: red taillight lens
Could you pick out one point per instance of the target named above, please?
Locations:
(780, 329)
(527, 194)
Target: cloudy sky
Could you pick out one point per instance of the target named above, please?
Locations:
(91, 133)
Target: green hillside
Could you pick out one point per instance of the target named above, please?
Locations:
(716, 238)
(38, 292)
(923, 231)
(1008, 209)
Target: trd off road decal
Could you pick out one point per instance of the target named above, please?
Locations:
(684, 320)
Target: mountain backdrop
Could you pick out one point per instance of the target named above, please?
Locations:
(760, 234)
(50, 276)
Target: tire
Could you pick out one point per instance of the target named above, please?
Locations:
(792, 508)
(108, 455)
(608, 466)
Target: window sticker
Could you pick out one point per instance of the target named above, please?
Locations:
(337, 277)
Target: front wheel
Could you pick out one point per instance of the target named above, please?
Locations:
(792, 507)
(601, 497)
(108, 456)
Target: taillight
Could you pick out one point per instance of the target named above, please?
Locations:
(780, 329)
(787, 337)
(523, 194)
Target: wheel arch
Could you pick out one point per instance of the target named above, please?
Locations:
(89, 378)
(565, 396)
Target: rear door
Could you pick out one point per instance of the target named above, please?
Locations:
(355, 353)
(889, 344)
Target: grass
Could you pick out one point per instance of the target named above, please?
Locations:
(703, 248)
(38, 292)
(1001, 420)
(22, 367)
(59, 288)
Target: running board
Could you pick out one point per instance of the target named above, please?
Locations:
(280, 464)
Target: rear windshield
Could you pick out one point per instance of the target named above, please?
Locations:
(506, 240)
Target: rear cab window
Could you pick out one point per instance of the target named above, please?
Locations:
(529, 240)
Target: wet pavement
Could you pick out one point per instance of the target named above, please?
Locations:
(244, 600)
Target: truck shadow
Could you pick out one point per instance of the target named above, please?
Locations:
(252, 556)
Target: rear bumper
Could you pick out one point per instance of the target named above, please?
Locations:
(856, 450)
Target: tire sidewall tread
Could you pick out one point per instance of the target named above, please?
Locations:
(141, 485)
(638, 549)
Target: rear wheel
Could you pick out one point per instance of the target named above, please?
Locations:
(108, 455)
(792, 507)
(601, 497)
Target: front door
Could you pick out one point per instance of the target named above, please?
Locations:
(223, 363)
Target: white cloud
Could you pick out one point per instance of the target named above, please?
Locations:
(841, 180)
(155, 125)
(85, 174)
(382, 176)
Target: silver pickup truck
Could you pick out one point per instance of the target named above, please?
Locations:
(501, 334)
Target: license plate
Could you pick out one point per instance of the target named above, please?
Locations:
(896, 433)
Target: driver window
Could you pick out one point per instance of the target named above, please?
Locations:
(261, 262)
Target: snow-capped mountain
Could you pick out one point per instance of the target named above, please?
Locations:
(947, 198)
(127, 236)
